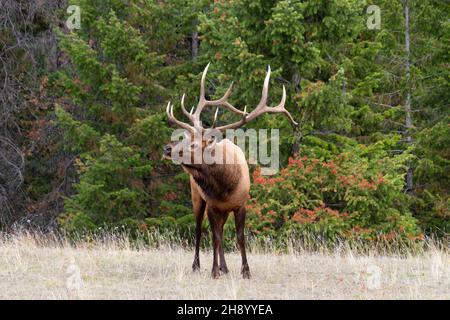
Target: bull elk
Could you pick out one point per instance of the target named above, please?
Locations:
(219, 188)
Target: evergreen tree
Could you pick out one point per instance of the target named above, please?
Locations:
(122, 67)
(378, 94)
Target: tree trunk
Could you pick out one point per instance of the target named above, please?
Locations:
(194, 42)
(297, 133)
(408, 117)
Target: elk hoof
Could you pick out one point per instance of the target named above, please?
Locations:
(224, 269)
(215, 274)
(245, 273)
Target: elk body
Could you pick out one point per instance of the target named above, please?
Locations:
(221, 187)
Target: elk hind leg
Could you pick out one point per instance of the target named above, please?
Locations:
(223, 264)
(239, 218)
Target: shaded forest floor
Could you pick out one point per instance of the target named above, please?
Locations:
(33, 270)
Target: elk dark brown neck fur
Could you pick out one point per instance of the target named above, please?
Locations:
(219, 188)
(216, 181)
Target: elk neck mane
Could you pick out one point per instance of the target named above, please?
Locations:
(217, 181)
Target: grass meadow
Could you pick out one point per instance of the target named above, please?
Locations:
(111, 267)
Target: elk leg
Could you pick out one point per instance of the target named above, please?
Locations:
(239, 218)
(199, 211)
(214, 221)
(223, 263)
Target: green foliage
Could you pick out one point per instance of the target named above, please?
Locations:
(343, 168)
(325, 106)
(79, 136)
(115, 123)
(348, 196)
(431, 171)
(343, 80)
(110, 186)
(433, 154)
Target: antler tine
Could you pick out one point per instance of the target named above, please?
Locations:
(171, 117)
(202, 101)
(280, 108)
(224, 103)
(168, 111)
(225, 96)
(265, 90)
(187, 114)
(215, 118)
(202, 83)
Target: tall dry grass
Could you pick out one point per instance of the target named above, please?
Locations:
(36, 266)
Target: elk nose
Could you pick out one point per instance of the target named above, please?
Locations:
(167, 149)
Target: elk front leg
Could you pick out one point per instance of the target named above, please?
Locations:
(239, 218)
(215, 221)
(199, 212)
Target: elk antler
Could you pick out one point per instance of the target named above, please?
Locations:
(181, 124)
(219, 102)
(260, 109)
(194, 117)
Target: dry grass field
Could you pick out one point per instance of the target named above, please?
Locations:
(35, 269)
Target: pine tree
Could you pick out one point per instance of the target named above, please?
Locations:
(120, 74)
(345, 82)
